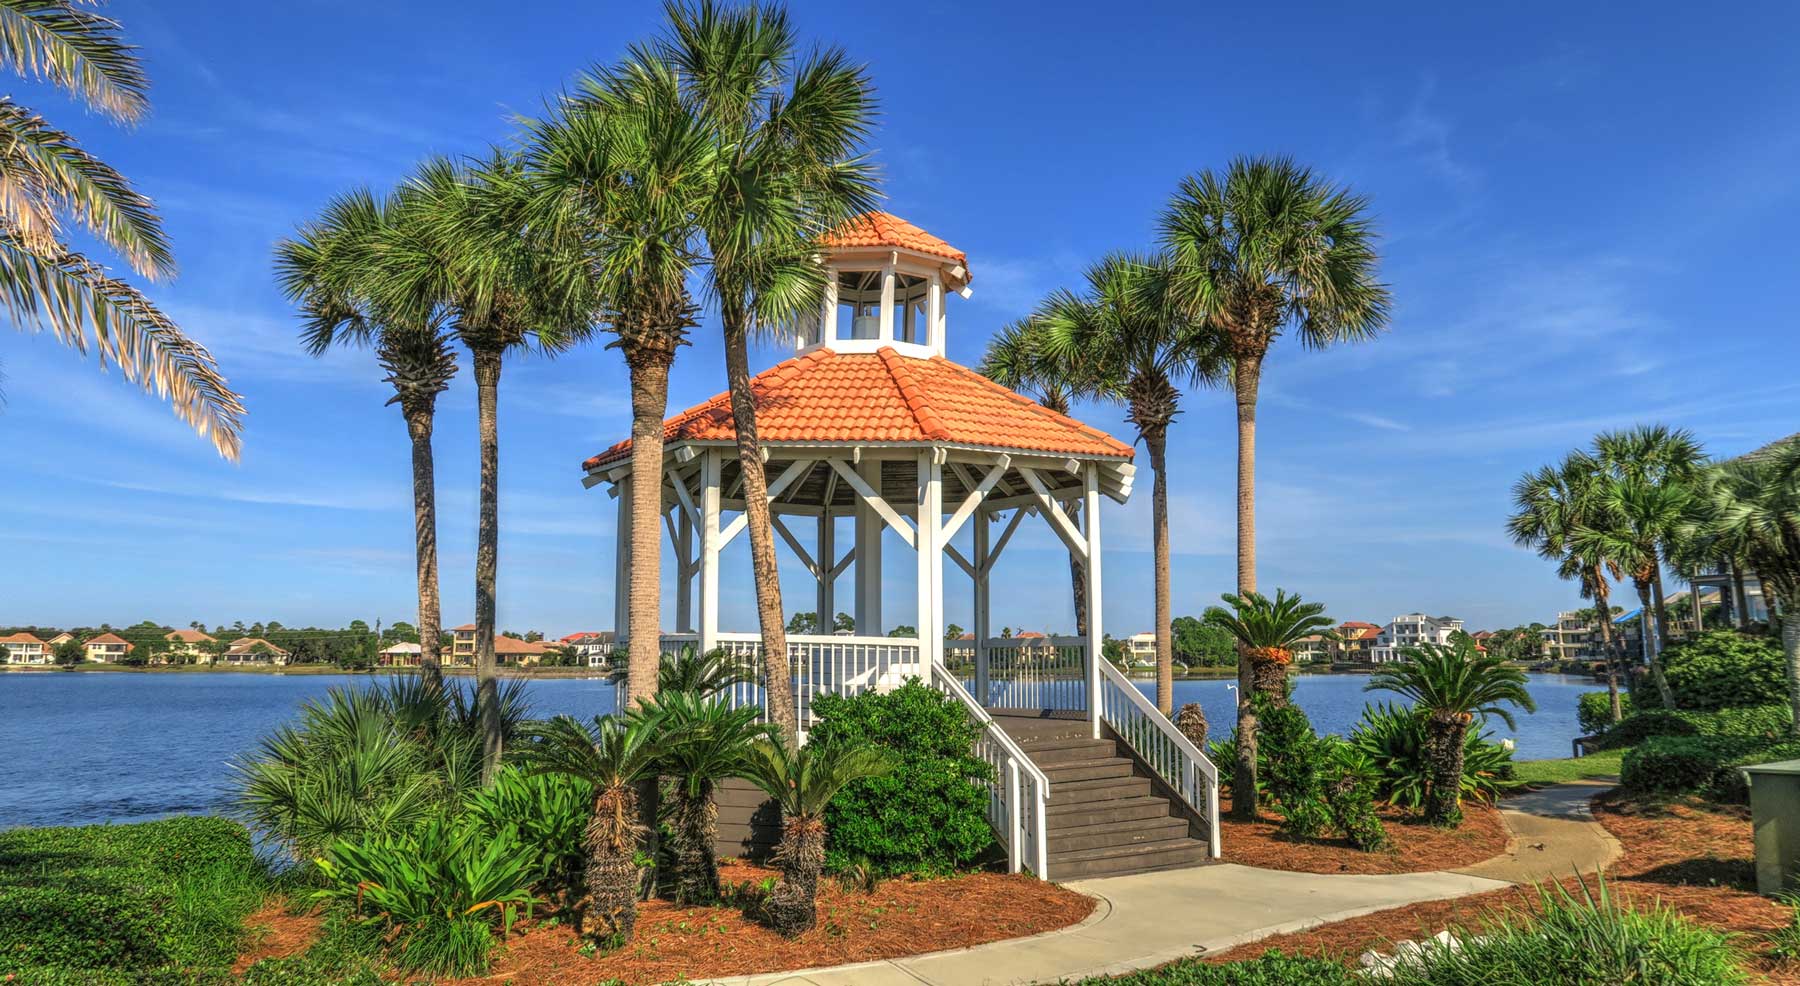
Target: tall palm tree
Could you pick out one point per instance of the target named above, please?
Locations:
(1663, 461)
(329, 270)
(614, 754)
(703, 740)
(787, 130)
(1553, 507)
(465, 251)
(621, 168)
(1022, 358)
(1750, 511)
(1126, 327)
(1264, 247)
(1450, 685)
(1635, 520)
(1266, 631)
(48, 184)
(802, 782)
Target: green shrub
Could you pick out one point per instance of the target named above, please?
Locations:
(1723, 669)
(1684, 764)
(1392, 737)
(1317, 785)
(929, 814)
(1593, 710)
(550, 813)
(1769, 723)
(1272, 968)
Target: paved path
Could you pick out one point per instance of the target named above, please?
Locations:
(1153, 918)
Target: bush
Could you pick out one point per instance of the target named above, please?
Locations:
(1272, 968)
(1704, 765)
(1593, 710)
(1724, 669)
(929, 814)
(1392, 737)
(129, 898)
(550, 813)
(1316, 784)
(1769, 723)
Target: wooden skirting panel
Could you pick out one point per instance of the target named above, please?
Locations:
(749, 823)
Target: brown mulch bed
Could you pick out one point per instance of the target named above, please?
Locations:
(1417, 847)
(1690, 856)
(900, 917)
(276, 933)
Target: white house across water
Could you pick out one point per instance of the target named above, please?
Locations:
(870, 425)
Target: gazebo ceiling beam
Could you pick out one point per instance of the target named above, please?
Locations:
(979, 493)
(793, 542)
(1053, 513)
(876, 502)
(781, 483)
(961, 562)
(993, 554)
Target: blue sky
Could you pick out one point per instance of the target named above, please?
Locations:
(1587, 218)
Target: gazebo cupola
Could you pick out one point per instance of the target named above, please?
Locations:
(886, 284)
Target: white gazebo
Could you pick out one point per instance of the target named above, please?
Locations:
(871, 425)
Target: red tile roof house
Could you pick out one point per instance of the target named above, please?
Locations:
(23, 648)
(254, 650)
(107, 648)
(514, 652)
(184, 648)
(872, 428)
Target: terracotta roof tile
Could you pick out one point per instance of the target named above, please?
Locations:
(884, 229)
(110, 638)
(20, 638)
(826, 396)
(187, 636)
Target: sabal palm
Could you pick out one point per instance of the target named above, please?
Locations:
(1130, 335)
(787, 129)
(802, 782)
(703, 741)
(706, 675)
(330, 270)
(464, 251)
(1750, 510)
(1450, 685)
(50, 187)
(614, 754)
(1659, 463)
(1021, 357)
(1552, 508)
(1636, 520)
(1267, 630)
(621, 169)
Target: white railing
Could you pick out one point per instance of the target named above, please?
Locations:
(1037, 673)
(1019, 792)
(1171, 755)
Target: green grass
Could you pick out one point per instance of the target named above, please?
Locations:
(1595, 766)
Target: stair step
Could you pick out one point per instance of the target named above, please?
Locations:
(1100, 789)
(1087, 770)
(1120, 860)
(1136, 831)
(1063, 751)
(1060, 816)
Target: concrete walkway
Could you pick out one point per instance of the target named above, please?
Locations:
(1153, 918)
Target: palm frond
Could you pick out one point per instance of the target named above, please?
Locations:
(77, 50)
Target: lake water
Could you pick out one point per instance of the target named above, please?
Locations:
(90, 747)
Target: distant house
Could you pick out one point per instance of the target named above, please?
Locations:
(23, 648)
(255, 650)
(513, 652)
(593, 648)
(108, 648)
(1411, 630)
(185, 647)
(1356, 642)
(60, 639)
(1574, 637)
(1142, 647)
(402, 654)
(462, 646)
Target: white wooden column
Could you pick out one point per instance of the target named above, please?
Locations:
(826, 558)
(1096, 636)
(684, 570)
(934, 313)
(887, 301)
(980, 521)
(709, 550)
(622, 565)
(928, 525)
(869, 527)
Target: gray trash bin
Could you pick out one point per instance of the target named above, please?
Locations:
(1775, 813)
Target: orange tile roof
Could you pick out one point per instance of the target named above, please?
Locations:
(883, 397)
(504, 644)
(111, 638)
(465, 628)
(187, 636)
(20, 638)
(884, 229)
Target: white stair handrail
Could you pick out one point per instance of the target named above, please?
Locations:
(1122, 706)
(1020, 772)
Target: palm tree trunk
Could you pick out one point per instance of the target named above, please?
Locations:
(424, 475)
(777, 681)
(1650, 656)
(612, 875)
(487, 555)
(1740, 602)
(1155, 440)
(1246, 376)
(649, 367)
(1603, 613)
(696, 864)
(793, 906)
(1445, 735)
(1662, 611)
(1078, 588)
(1790, 648)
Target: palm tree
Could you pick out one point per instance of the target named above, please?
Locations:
(1750, 512)
(51, 184)
(465, 252)
(703, 740)
(329, 270)
(621, 169)
(1263, 247)
(1127, 331)
(1553, 507)
(1022, 358)
(787, 132)
(1450, 685)
(705, 675)
(802, 782)
(1267, 630)
(1658, 464)
(614, 754)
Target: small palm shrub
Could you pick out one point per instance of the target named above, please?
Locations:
(437, 892)
(699, 741)
(550, 813)
(928, 814)
(1393, 739)
(1267, 630)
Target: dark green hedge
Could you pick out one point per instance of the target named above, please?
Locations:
(128, 898)
(1720, 669)
(1593, 710)
(1767, 723)
(1699, 764)
(929, 815)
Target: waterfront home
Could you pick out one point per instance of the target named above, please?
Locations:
(462, 646)
(1575, 636)
(255, 650)
(23, 648)
(510, 651)
(870, 427)
(107, 648)
(186, 647)
(402, 654)
(60, 639)
(593, 648)
(1142, 647)
(1411, 630)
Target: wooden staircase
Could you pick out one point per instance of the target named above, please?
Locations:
(1106, 816)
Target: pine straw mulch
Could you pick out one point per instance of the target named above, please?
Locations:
(1417, 847)
(1694, 857)
(276, 932)
(899, 917)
